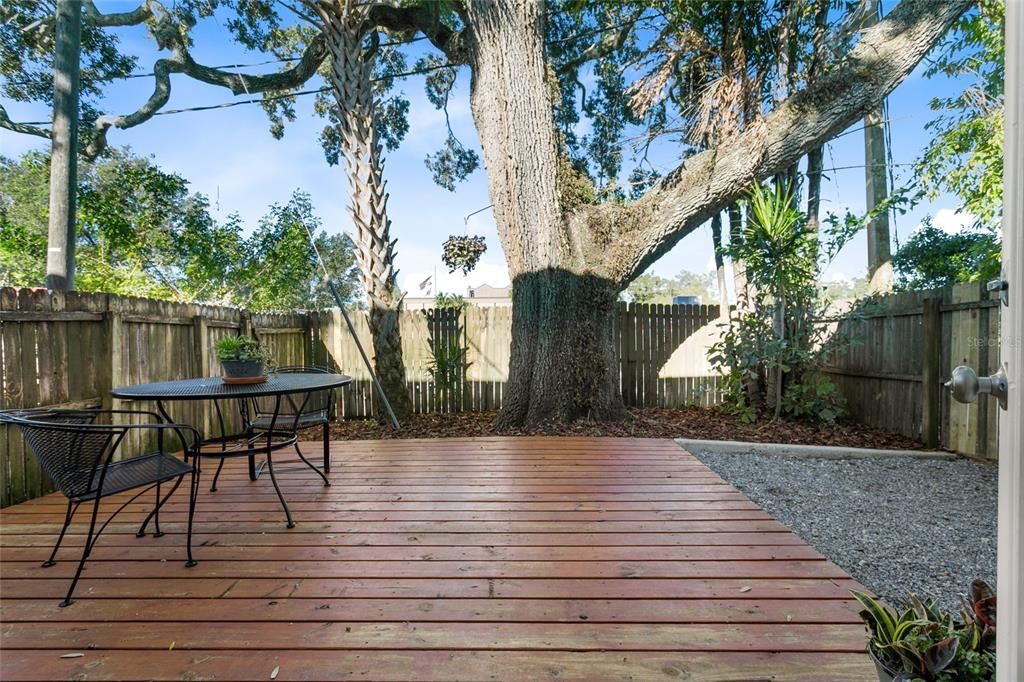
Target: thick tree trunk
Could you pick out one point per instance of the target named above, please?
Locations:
(350, 78)
(563, 364)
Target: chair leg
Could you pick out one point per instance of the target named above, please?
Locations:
(193, 496)
(155, 514)
(72, 508)
(213, 486)
(89, 541)
(327, 447)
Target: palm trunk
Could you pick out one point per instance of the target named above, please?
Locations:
(349, 77)
(716, 241)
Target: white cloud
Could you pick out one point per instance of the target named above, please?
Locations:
(952, 221)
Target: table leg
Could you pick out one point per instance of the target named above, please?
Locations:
(270, 460)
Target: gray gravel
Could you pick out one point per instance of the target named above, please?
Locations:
(896, 525)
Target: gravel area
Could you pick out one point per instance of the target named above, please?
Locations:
(896, 525)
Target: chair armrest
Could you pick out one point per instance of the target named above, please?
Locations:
(180, 430)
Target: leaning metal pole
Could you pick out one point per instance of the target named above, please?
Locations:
(366, 360)
(352, 329)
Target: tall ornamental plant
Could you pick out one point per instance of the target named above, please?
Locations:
(777, 338)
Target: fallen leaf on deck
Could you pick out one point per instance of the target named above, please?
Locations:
(274, 672)
(745, 588)
(72, 655)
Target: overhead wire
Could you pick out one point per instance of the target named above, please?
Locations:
(303, 93)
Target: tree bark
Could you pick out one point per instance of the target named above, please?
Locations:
(350, 78)
(60, 255)
(563, 363)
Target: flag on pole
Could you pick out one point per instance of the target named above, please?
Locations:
(425, 283)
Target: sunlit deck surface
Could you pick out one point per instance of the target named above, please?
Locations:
(470, 559)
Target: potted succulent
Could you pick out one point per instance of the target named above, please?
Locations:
(243, 358)
(926, 643)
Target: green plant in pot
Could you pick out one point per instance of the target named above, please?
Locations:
(242, 356)
(923, 642)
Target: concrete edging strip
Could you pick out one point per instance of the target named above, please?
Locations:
(734, 447)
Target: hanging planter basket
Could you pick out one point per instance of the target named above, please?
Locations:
(462, 252)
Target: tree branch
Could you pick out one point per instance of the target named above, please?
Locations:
(182, 62)
(138, 15)
(707, 182)
(425, 19)
(610, 41)
(6, 122)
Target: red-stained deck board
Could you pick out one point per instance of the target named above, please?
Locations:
(493, 558)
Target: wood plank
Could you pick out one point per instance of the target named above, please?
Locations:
(439, 665)
(385, 635)
(437, 610)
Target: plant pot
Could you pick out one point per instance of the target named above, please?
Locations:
(242, 368)
(885, 673)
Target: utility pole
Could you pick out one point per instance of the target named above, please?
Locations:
(60, 253)
(879, 248)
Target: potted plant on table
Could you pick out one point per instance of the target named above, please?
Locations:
(926, 643)
(244, 359)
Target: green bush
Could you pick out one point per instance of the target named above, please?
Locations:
(775, 343)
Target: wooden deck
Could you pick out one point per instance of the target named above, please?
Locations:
(471, 559)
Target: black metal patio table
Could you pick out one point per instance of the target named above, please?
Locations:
(246, 444)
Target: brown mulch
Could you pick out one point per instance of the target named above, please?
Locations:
(696, 422)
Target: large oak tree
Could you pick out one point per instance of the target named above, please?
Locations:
(569, 252)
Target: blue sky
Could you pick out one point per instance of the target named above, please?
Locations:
(229, 155)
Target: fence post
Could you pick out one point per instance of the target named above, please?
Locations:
(930, 374)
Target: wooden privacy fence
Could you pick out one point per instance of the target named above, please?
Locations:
(662, 352)
(906, 349)
(69, 350)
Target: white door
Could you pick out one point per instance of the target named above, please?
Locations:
(1010, 616)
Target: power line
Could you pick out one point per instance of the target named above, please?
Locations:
(302, 93)
(282, 60)
(261, 100)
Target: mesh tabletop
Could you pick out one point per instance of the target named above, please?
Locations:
(209, 388)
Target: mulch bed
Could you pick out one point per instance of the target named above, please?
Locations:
(705, 423)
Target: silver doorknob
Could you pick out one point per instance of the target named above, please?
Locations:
(966, 385)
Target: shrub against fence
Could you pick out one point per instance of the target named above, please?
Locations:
(70, 350)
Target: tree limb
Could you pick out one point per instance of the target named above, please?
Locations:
(703, 184)
(138, 15)
(425, 19)
(610, 41)
(6, 122)
(181, 61)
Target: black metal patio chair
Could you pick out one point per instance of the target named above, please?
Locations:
(76, 449)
